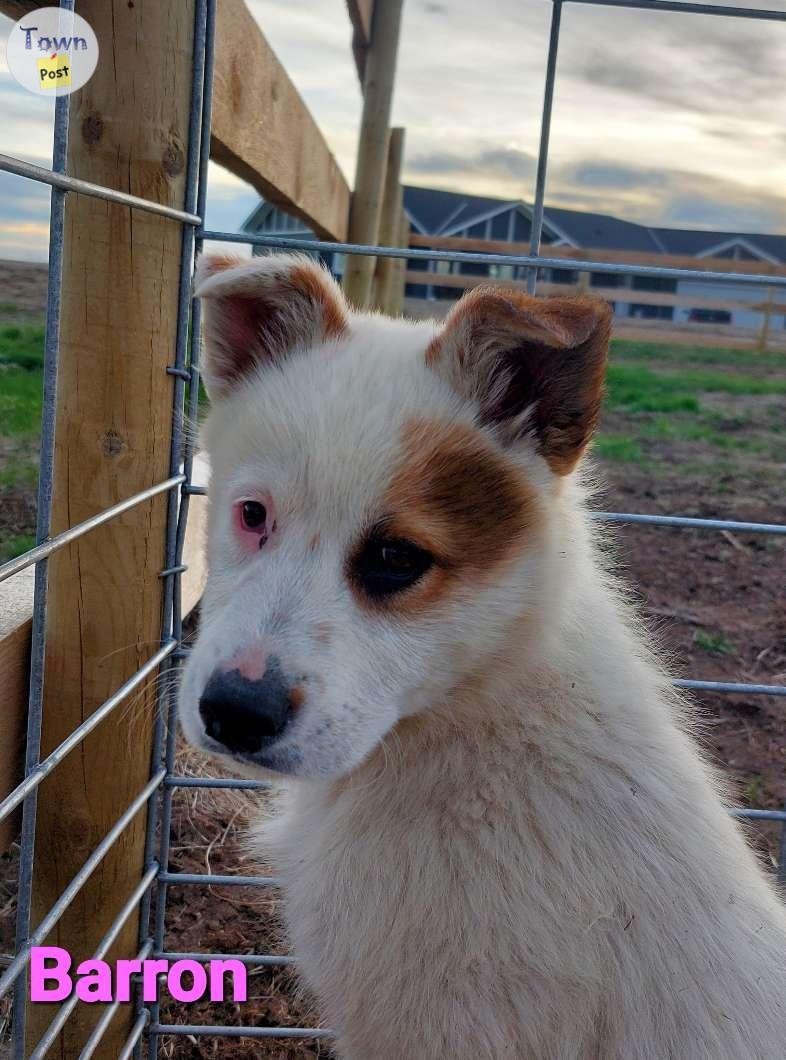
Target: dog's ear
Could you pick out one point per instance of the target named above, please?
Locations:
(534, 365)
(257, 312)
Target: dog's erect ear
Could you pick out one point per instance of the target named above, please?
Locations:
(257, 312)
(534, 365)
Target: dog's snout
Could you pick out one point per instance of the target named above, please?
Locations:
(246, 714)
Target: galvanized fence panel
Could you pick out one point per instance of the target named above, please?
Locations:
(158, 793)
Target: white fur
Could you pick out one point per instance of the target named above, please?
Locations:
(496, 837)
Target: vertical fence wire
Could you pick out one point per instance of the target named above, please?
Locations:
(543, 150)
(43, 528)
(188, 338)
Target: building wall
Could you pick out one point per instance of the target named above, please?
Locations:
(513, 226)
(740, 318)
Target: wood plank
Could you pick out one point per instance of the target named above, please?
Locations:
(378, 84)
(16, 8)
(611, 294)
(637, 329)
(622, 257)
(263, 132)
(389, 222)
(361, 14)
(114, 414)
(16, 612)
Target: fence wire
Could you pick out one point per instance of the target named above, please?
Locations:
(156, 796)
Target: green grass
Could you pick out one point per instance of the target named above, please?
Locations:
(715, 643)
(618, 448)
(754, 791)
(13, 546)
(16, 473)
(622, 349)
(20, 402)
(637, 388)
(22, 345)
(708, 428)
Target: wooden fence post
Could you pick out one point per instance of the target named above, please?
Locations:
(390, 220)
(764, 332)
(399, 279)
(129, 130)
(380, 72)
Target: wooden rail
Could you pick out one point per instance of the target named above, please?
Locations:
(593, 254)
(612, 294)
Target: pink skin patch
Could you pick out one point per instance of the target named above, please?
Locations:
(250, 661)
(253, 520)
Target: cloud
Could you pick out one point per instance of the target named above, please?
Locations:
(659, 117)
(499, 163)
(667, 197)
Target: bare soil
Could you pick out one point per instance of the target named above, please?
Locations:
(22, 291)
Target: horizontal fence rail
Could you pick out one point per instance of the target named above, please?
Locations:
(205, 1029)
(43, 175)
(481, 258)
(677, 6)
(42, 551)
(43, 769)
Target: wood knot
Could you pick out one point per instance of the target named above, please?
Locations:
(92, 128)
(173, 161)
(112, 444)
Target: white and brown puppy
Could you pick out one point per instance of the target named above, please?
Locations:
(496, 837)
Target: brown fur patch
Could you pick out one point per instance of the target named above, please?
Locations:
(323, 633)
(314, 543)
(312, 285)
(297, 697)
(458, 497)
(550, 353)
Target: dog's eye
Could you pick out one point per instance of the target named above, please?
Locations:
(387, 566)
(253, 515)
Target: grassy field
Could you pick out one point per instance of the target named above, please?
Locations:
(692, 411)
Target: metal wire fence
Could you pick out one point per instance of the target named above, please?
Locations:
(157, 794)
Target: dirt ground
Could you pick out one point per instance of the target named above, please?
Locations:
(716, 602)
(22, 291)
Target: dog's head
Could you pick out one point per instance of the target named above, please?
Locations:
(380, 501)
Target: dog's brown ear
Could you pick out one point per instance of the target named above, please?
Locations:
(534, 365)
(257, 312)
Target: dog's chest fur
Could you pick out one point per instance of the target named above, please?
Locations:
(491, 889)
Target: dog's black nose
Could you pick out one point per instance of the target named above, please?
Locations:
(246, 715)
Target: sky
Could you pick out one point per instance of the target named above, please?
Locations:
(666, 119)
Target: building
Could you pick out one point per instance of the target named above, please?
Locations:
(432, 212)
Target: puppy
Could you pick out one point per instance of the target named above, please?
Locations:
(497, 837)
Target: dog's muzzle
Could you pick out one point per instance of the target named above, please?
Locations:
(246, 714)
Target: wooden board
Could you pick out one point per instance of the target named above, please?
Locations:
(378, 84)
(129, 130)
(611, 294)
(361, 13)
(263, 132)
(637, 329)
(590, 254)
